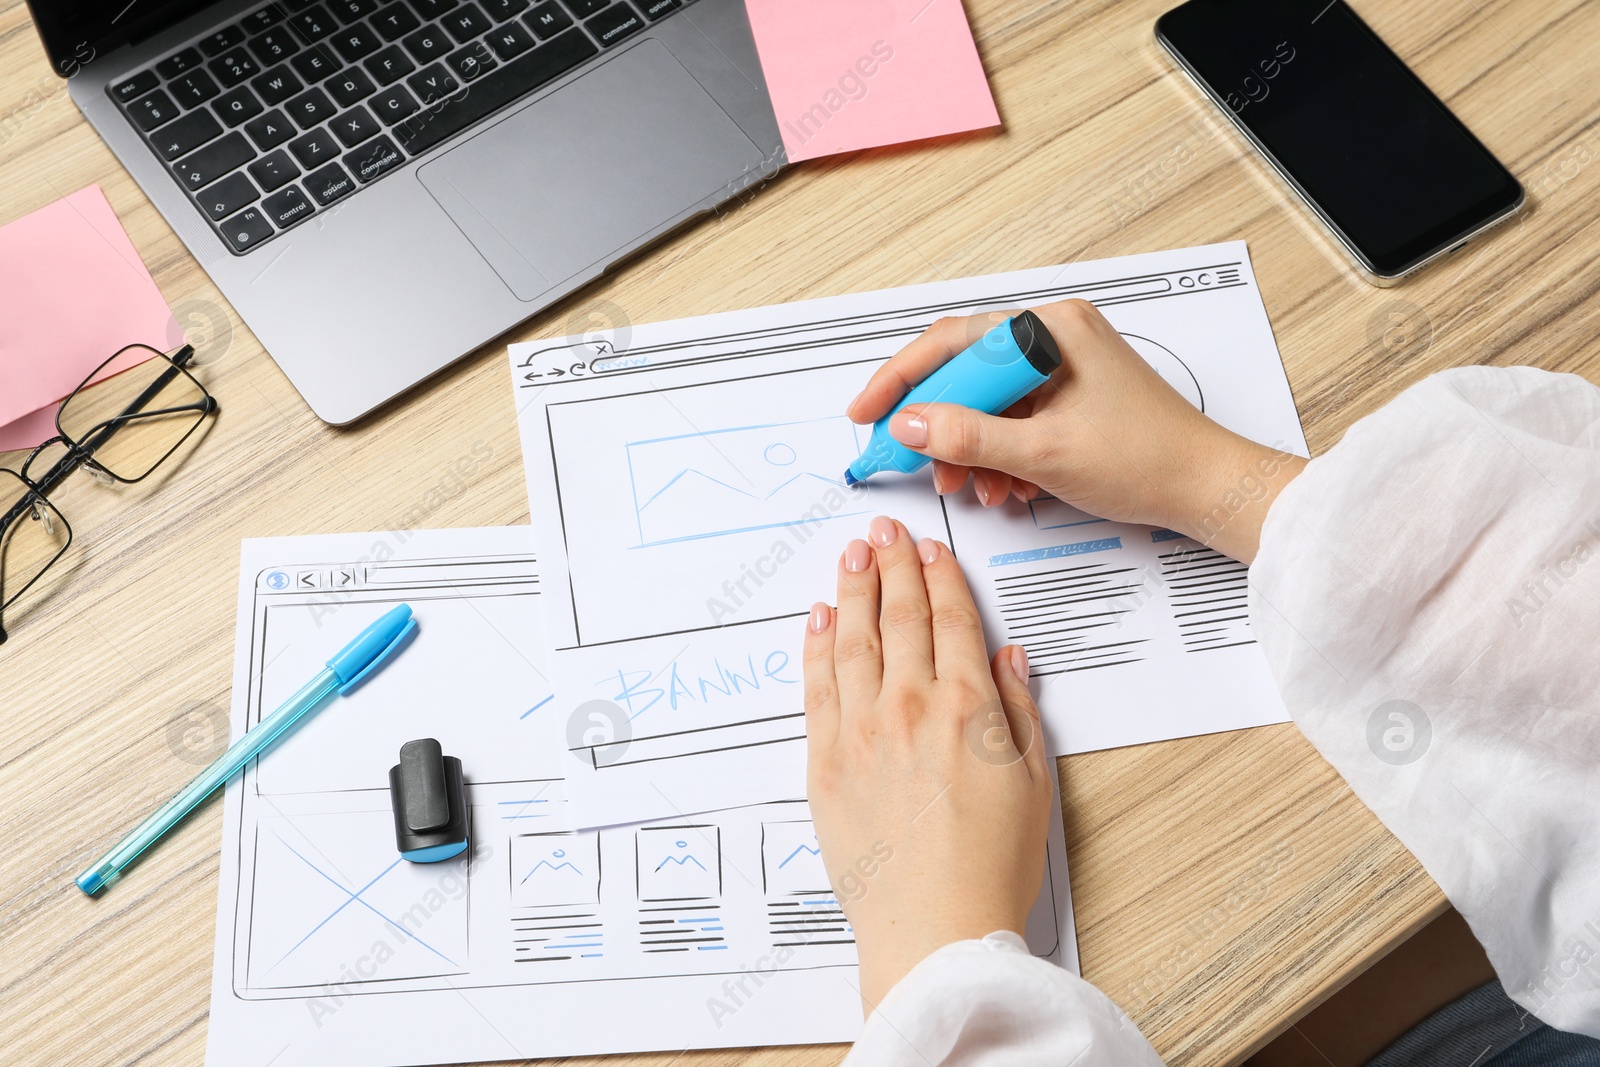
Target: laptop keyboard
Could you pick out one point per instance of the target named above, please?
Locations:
(282, 114)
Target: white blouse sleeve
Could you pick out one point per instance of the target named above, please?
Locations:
(1428, 596)
(990, 1003)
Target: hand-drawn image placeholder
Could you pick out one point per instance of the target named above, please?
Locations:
(791, 860)
(679, 862)
(743, 478)
(331, 891)
(555, 870)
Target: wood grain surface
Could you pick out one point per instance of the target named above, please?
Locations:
(1224, 885)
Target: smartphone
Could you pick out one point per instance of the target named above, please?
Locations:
(1394, 176)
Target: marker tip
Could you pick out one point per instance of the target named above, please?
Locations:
(850, 480)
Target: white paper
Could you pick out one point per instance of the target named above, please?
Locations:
(700, 932)
(686, 487)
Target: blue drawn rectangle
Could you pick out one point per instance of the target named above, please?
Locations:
(744, 478)
(1077, 548)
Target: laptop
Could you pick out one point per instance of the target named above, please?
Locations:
(382, 186)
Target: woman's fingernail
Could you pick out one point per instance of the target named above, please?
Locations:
(981, 487)
(821, 615)
(857, 556)
(850, 408)
(1020, 493)
(1019, 663)
(928, 549)
(910, 430)
(882, 531)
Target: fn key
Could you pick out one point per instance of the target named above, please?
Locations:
(246, 229)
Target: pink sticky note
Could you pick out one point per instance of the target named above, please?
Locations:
(852, 74)
(72, 292)
(29, 430)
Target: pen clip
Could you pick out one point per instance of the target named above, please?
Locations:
(380, 658)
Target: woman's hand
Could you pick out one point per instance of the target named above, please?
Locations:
(1105, 434)
(926, 772)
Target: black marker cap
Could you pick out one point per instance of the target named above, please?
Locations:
(1036, 342)
(429, 795)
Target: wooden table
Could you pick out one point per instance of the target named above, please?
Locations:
(1224, 885)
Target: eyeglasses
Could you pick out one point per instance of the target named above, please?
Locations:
(121, 430)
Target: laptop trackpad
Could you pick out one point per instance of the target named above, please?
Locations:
(588, 170)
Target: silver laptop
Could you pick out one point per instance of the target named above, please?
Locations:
(381, 186)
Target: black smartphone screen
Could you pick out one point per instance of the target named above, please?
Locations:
(1377, 154)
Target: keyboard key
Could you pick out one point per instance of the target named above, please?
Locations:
(428, 44)
(151, 111)
(178, 62)
(432, 83)
(395, 21)
(373, 159)
(128, 91)
(234, 67)
(584, 8)
(389, 65)
(274, 171)
(353, 10)
(270, 130)
(471, 62)
(466, 23)
(615, 23)
(276, 86)
(350, 86)
(227, 196)
(310, 108)
(329, 184)
(287, 208)
(432, 9)
(356, 43)
(246, 229)
(200, 168)
(354, 126)
(257, 21)
(274, 46)
(313, 24)
(510, 41)
(222, 40)
(178, 139)
(547, 19)
(654, 9)
(237, 105)
(314, 64)
(194, 88)
(500, 10)
(494, 90)
(392, 105)
(314, 149)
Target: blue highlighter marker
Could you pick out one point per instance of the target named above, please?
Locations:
(999, 369)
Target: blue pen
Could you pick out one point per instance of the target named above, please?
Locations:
(999, 369)
(371, 648)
